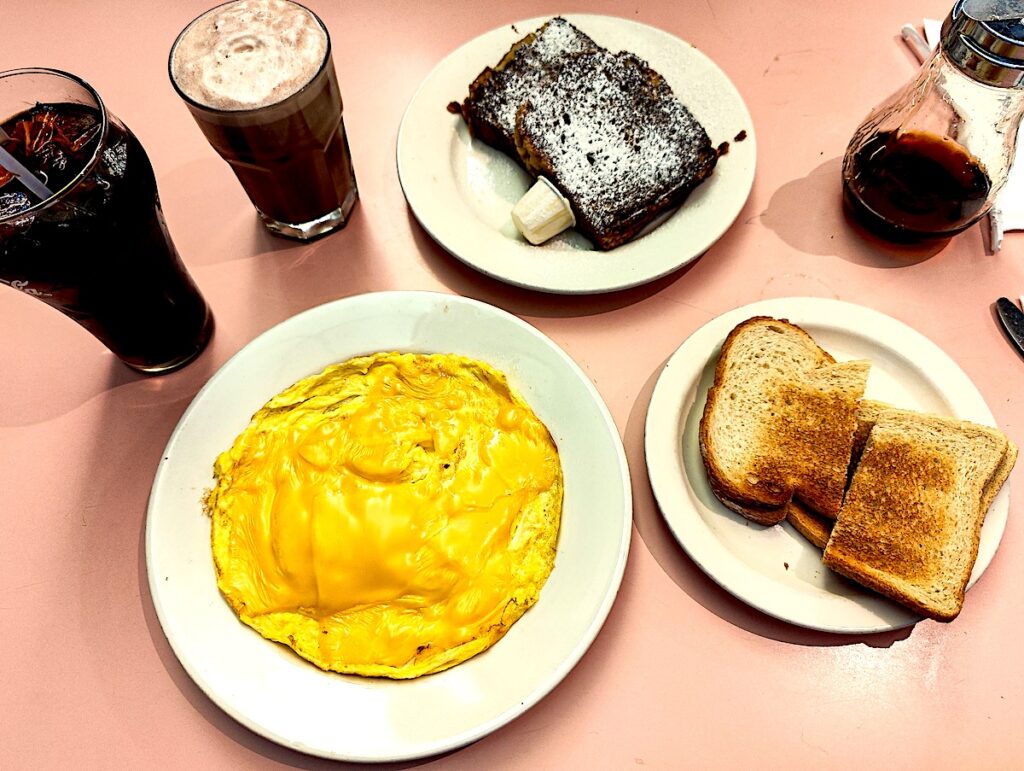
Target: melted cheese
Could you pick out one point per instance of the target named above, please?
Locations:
(392, 515)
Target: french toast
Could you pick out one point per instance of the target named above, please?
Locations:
(779, 421)
(608, 131)
(911, 523)
(497, 92)
(604, 128)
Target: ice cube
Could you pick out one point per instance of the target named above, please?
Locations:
(12, 202)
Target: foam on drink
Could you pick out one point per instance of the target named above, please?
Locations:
(248, 54)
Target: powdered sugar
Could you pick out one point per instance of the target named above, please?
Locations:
(604, 127)
(498, 100)
(615, 140)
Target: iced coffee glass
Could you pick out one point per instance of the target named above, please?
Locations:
(258, 78)
(81, 227)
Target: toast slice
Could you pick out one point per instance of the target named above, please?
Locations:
(1001, 474)
(497, 93)
(868, 412)
(811, 525)
(911, 522)
(608, 131)
(779, 421)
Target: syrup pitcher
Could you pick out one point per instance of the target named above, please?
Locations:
(929, 161)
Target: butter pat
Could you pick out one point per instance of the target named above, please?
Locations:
(542, 213)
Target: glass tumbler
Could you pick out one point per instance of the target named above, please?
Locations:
(81, 227)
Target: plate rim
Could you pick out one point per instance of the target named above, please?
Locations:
(410, 181)
(800, 310)
(511, 711)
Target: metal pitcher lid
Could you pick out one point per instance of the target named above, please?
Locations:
(985, 38)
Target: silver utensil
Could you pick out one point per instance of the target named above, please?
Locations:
(1012, 319)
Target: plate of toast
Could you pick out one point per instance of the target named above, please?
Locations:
(828, 465)
(642, 138)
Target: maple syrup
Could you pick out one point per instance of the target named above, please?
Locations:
(914, 185)
(931, 159)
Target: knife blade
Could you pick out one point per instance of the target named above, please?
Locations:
(1012, 319)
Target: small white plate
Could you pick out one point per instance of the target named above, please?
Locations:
(462, 191)
(775, 569)
(265, 686)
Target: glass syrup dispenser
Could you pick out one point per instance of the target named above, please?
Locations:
(929, 161)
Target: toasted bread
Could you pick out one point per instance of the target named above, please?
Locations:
(779, 421)
(608, 131)
(762, 515)
(1001, 474)
(911, 522)
(868, 412)
(497, 93)
(811, 525)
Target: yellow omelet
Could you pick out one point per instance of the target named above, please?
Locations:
(391, 516)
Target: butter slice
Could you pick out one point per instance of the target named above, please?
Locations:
(542, 213)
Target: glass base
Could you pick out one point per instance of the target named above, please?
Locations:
(321, 226)
(180, 361)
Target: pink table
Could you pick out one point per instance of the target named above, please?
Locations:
(682, 674)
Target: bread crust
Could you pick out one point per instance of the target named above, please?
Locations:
(811, 525)
(911, 524)
(808, 435)
(762, 515)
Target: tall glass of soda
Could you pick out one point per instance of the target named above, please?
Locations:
(81, 227)
(258, 77)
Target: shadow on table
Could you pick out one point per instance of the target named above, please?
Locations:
(62, 367)
(286, 277)
(466, 281)
(825, 228)
(688, 576)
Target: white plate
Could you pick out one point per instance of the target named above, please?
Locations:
(271, 690)
(748, 560)
(462, 191)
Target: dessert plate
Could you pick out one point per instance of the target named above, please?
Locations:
(775, 569)
(462, 191)
(271, 690)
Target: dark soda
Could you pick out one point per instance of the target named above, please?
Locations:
(99, 250)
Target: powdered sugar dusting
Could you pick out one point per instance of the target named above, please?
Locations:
(615, 140)
(509, 87)
(558, 37)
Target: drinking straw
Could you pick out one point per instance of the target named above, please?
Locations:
(27, 178)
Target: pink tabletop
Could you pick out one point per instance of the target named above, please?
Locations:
(682, 673)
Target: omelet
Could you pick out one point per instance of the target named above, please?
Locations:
(391, 516)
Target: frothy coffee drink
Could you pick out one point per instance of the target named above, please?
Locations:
(248, 54)
(258, 78)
